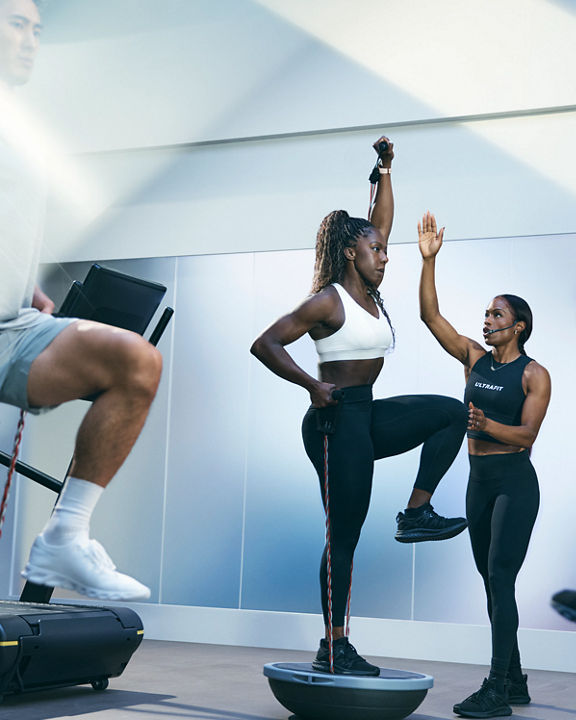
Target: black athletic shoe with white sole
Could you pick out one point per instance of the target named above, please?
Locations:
(484, 703)
(427, 525)
(346, 659)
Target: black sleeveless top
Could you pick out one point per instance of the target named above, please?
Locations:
(496, 388)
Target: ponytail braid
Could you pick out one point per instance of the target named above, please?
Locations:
(375, 295)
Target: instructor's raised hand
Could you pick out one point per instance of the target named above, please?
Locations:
(429, 239)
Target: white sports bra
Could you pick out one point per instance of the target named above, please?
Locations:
(361, 337)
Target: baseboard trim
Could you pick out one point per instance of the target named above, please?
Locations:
(447, 642)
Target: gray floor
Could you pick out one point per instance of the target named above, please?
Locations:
(167, 680)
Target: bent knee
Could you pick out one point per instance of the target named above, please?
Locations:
(137, 364)
(144, 365)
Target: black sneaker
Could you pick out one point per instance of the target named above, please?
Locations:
(564, 602)
(346, 659)
(428, 525)
(516, 691)
(484, 703)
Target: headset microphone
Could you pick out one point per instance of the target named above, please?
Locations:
(490, 332)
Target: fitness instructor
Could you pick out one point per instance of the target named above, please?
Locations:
(507, 393)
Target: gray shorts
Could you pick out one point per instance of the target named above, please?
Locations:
(19, 347)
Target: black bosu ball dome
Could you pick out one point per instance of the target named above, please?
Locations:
(312, 695)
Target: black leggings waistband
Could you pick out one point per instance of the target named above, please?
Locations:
(355, 393)
(498, 463)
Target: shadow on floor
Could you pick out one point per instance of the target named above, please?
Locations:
(49, 704)
(196, 712)
(77, 701)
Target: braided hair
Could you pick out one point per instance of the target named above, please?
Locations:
(521, 312)
(337, 232)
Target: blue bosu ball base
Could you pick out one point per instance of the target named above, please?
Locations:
(311, 695)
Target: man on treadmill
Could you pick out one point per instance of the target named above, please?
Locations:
(45, 361)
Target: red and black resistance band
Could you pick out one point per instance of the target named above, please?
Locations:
(329, 564)
(15, 451)
(327, 419)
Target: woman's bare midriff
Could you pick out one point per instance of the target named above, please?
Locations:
(348, 373)
(485, 447)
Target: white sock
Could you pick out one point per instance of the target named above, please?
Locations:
(71, 517)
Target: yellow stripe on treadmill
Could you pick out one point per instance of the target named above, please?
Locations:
(9, 643)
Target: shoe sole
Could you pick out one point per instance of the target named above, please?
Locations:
(418, 537)
(52, 580)
(519, 700)
(564, 610)
(497, 712)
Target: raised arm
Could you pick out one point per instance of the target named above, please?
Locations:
(460, 346)
(269, 347)
(537, 386)
(382, 214)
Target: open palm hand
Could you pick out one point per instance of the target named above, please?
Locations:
(429, 239)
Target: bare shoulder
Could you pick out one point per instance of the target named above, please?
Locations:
(321, 304)
(323, 312)
(534, 372)
(533, 368)
(311, 315)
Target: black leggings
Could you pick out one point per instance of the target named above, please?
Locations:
(501, 505)
(361, 430)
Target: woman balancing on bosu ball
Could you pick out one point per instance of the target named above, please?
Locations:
(346, 318)
(507, 394)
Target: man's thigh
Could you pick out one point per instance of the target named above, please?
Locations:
(81, 360)
(19, 347)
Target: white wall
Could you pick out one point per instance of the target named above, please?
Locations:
(479, 98)
(483, 179)
(215, 136)
(137, 74)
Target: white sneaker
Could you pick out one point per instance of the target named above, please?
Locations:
(83, 566)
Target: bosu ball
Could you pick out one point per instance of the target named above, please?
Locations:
(312, 695)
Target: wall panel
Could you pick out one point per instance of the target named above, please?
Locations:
(483, 180)
(208, 427)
